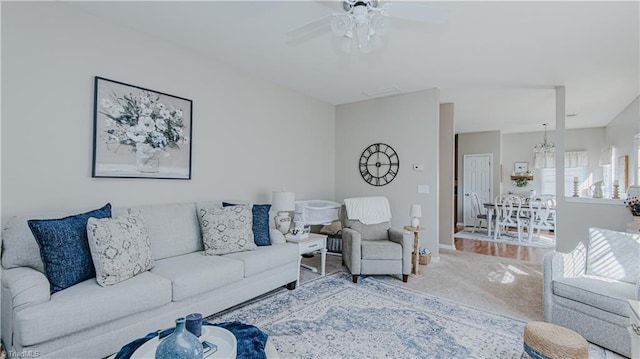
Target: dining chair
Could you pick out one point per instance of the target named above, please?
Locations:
(479, 213)
(508, 215)
(540, 218)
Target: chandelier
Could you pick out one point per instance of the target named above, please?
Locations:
(545, 146)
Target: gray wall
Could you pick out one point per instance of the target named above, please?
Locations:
(575, 216)
(409, 123)
(618, 134)
(447, 144)
(517, 147)
(250, 137)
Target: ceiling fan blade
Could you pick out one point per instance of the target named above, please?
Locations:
(334, 5)
(416, 13)
(313, 25)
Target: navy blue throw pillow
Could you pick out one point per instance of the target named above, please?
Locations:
(64, 247)
(260, 223)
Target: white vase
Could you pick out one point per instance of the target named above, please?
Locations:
(147, 159)
(634, 225)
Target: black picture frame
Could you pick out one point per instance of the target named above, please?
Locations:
(140, 133)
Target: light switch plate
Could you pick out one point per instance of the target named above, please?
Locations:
(423, 189)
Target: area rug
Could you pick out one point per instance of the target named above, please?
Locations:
(543, 241)
(331, 317)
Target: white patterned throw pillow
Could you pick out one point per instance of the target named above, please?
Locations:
(226, 230)
(120, 247)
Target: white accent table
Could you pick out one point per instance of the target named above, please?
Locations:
(313, 243)
(634, 327)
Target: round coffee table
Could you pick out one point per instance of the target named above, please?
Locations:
(222, 338)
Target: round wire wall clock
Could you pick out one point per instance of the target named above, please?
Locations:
(379, 164)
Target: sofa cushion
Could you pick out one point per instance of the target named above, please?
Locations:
(599, 292)
(195, 273)
(87, 304)
(266, 257)
(64, 247)
(19, 247)
(381, 250)
(260, 224)
(120, 247)
(173, 228)
(226, 230)
(614, 255)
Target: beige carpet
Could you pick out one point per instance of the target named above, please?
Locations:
(499, 285)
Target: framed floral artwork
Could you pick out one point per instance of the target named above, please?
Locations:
(140, 133)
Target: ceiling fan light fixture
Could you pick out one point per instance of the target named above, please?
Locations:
(341, 26)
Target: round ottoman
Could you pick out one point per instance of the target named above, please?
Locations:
(546, 341)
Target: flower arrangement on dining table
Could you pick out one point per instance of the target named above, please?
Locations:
(633, 204)
(143, 122)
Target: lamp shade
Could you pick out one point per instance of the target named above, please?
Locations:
(283, 201)
(416, 211)
(605, 156)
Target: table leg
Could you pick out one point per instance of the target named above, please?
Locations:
(489, 220)
(323, 260)
(416, 253)
(299, 265)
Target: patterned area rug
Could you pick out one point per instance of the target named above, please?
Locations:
(331, 317)
(543, 241)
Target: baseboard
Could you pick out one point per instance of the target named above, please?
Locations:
(447, 246)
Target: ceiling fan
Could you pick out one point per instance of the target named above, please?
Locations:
(363, 19)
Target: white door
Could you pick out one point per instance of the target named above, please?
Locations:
(477, 177)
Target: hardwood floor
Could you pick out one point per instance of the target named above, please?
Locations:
(505, 250)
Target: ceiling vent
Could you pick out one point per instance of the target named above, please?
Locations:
(382, 92)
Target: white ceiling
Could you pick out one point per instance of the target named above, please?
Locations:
(497, 61)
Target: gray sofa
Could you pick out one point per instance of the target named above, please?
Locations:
(587, 289)
(90, 321)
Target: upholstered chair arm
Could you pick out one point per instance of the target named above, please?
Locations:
(405, 239)
(21, 287)
(570, 264)
(352, 250)
(26, 286)
(558, 265)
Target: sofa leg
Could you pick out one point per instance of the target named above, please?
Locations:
(355, 278)
(405, 278)
(291, 286)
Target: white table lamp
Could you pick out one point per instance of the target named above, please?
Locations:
(415, 213)
(283, 202)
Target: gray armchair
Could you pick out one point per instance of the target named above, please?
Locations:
(587, 289)
(375, 248)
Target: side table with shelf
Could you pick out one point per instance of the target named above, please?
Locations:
(313, 243)
(416, 247)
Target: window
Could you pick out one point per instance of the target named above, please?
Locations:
(549, 180)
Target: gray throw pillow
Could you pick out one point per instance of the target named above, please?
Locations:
(226, 230)
(120, 247)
